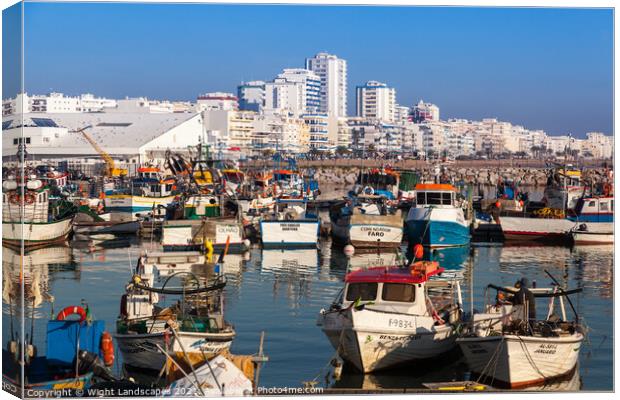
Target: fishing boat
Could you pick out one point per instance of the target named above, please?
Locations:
(564, 188)
(388, 315)
(594, 220)
(367, 221)
(504, 346)
(149, 192)
(195, 324)
(77, 352)
(27, 217)
(87, 222)
(438, 218)
(290, 225)
(544, 228)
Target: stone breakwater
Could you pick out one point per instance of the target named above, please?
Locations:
(476, 176)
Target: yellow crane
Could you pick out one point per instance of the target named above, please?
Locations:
(111, 166)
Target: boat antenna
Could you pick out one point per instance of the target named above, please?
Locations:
(565, 294)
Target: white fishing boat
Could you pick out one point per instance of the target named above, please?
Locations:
(194, 234)
(528, 229)
(367, 222)
(26, 216)
(290, 225)
(508, 349)
(387, 316)
(149, 192)
(594, 220)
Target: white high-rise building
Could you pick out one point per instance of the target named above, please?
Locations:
(294, 91)
(375, 100)
(333, 73)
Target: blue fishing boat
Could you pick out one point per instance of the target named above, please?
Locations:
(437, 220)
(77, 351)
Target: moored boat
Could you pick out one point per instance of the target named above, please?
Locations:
(438, 218)
(290, 225)
(508, 346)
(386, 316)
(26, 214)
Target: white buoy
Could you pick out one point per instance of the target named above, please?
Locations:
(247, 243)
(246, 256)
(349, 250)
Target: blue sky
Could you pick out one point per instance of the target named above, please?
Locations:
(547, 69)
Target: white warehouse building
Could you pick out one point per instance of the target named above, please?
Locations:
(133, 138)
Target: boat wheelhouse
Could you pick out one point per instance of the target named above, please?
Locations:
(390, 315)
(564, 188)
(438, 218)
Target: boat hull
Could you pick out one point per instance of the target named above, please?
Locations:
(594, 233)
(437, 227)
(140, 350)
(290, 234)
(372, 341)
(369, 231)
(135, 204)
(521, 361)
(36, 234)
(536, 229)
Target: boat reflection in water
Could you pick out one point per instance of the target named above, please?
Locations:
(37, 267)
(293, 272)
(595, 268)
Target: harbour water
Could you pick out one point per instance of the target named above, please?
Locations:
(281, 293)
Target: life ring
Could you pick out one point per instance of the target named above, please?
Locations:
(71, 310)
(368, 191)
(107, 349)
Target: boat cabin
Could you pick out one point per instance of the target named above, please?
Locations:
(391, 288)
(595, 209)
(438, 195)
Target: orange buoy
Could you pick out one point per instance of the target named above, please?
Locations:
(498, 204)
(107, 349)
(418, 251)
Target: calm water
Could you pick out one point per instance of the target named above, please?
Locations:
(281, 293)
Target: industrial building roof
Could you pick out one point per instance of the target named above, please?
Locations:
(117, 133)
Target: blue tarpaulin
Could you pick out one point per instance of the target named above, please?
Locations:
(62, 337)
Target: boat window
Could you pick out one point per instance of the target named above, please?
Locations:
(155, 188)
(421, 198)
(433, 198)
(363, 291)
(402, 292)
(604, 206)
(446, 198)
(592, 203)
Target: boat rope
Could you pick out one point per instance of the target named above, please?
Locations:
(494, 359)
(529, 356)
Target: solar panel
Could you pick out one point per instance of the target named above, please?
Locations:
(44, 122)
(6, 124)
(121, 124)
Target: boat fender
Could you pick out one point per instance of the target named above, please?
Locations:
(606, 189)
(369, 191)
(71, 310)
(437, 318)
(107, 349)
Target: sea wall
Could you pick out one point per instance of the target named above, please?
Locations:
(476, 176)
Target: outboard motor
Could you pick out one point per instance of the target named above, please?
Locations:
(91, 362)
